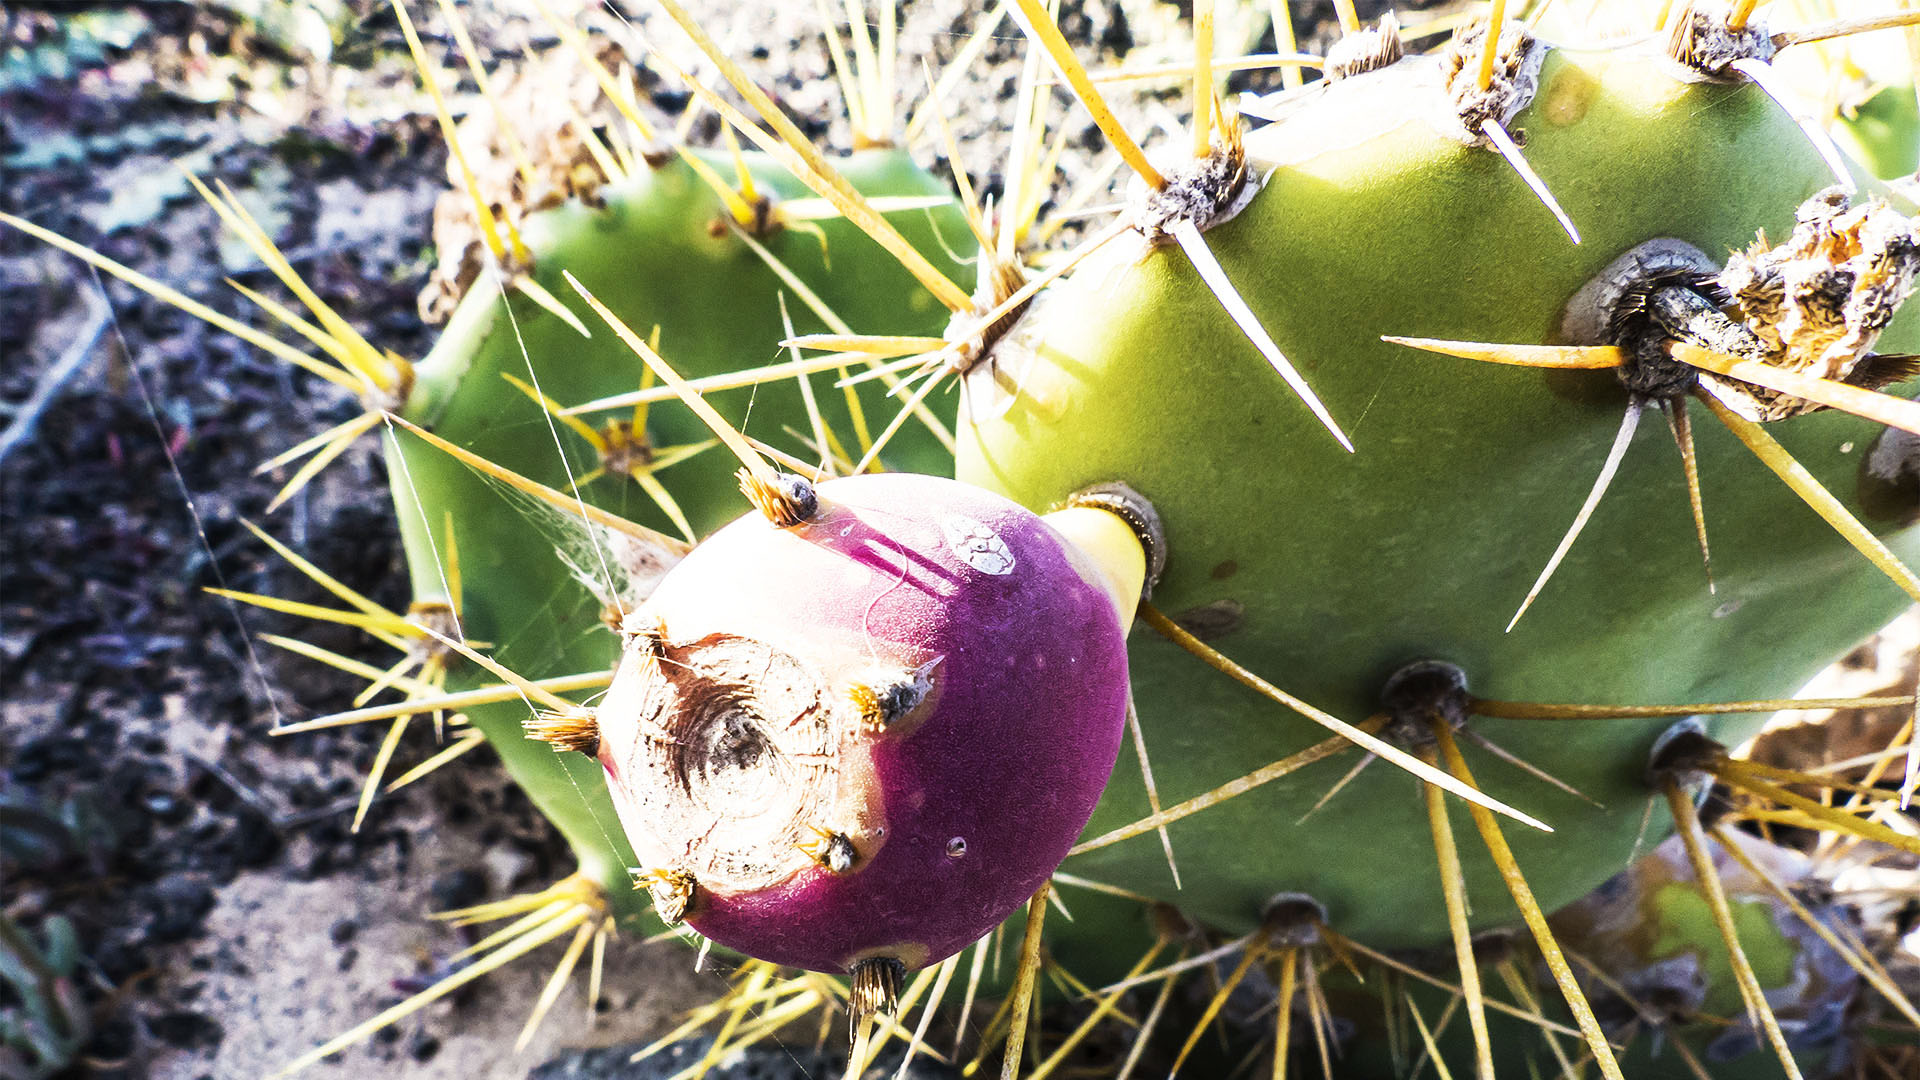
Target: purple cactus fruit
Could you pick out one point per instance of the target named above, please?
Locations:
(870, 736)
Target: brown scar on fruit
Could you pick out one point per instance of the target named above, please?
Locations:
(725, 756)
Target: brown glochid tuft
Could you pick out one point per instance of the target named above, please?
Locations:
(565, 731)
(788, 501)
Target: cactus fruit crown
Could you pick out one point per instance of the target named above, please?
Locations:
(857, 728)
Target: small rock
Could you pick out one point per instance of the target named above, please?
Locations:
(186, 1030)
(460, 888)
(507, 867)
(163, 805)
(423, 1048)
(253, 840)
(180, 906)
(49, 754)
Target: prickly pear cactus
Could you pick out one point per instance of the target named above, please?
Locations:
(1317, 406)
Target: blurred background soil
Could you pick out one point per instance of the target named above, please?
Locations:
(224, 917)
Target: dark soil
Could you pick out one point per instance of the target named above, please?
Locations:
(761, 1063)
(150, 806)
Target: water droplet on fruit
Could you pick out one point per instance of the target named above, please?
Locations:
(956, 847)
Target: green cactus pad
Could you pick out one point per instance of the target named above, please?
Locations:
(1883, 133)
(1325, 572)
